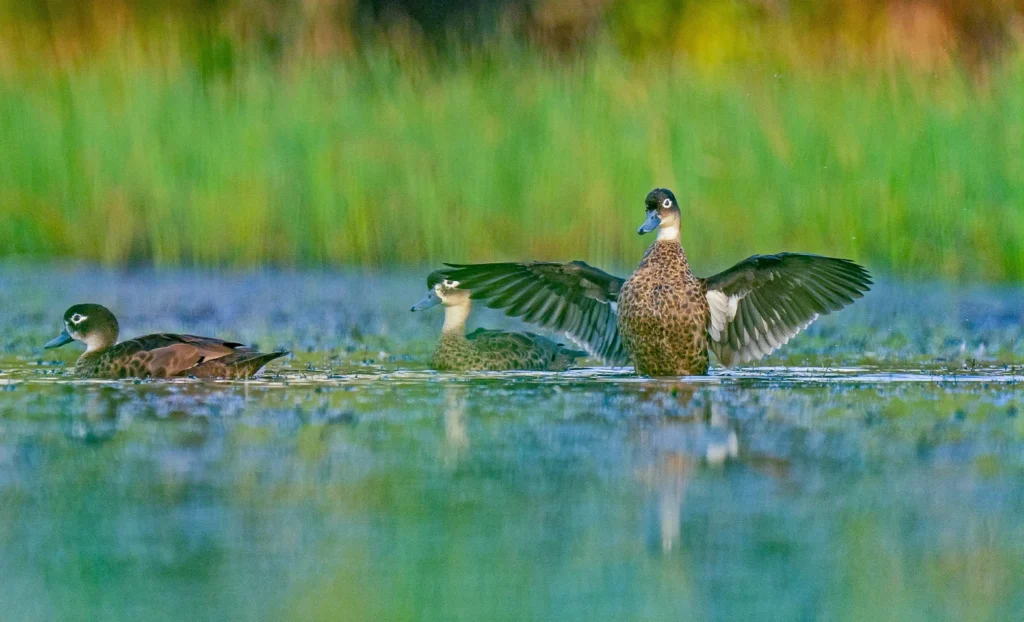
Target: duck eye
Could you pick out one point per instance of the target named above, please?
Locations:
(666, 203)
(76, 319)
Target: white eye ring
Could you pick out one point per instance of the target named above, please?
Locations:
(666, 203)
(77, 319)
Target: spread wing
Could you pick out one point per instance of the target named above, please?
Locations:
(573, 298)
(762, 302)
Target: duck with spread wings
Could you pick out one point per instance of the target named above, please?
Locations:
(663, 319)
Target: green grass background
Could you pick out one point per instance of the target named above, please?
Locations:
(503, 153)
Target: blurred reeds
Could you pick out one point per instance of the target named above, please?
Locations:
(166, 143)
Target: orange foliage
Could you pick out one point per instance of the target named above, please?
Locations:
(928, 34)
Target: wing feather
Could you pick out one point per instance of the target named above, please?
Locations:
(173, 354)
(573, 298)
(761, 303)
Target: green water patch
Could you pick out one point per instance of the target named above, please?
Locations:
(416, 494)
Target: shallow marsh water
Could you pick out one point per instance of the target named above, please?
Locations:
(872, 469)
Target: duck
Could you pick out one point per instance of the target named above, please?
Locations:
(663, 320)
(162, 355)
(484, 349)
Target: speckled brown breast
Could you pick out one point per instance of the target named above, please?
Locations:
(663, 314)
(105, 365)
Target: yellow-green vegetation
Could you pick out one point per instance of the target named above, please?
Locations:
(147, 151)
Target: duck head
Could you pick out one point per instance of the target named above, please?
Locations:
(662, 214)
(445, 291)
(442, 290)
(92, 324)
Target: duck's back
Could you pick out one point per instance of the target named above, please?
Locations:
(166, 355)
(497, 350)
(663, 314)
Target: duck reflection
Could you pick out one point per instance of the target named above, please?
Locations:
(97, 420)
(694, 432)
(456, 435)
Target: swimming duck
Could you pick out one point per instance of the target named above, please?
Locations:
(663, 319)
(162, 355)
(482, 349)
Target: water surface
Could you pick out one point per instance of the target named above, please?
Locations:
(872, 469)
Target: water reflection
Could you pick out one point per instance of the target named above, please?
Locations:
(456, 434)
(694, 433)
(96, 420)
(572, 498)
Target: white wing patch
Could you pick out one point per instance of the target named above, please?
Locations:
(771, 335)
(723, 311)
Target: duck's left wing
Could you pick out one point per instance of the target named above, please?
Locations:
(573, 298)
(765, 300)
(167, 354)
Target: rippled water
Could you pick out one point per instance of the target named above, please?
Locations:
(873, 469)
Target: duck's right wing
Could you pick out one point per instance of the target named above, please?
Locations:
(573, 298)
